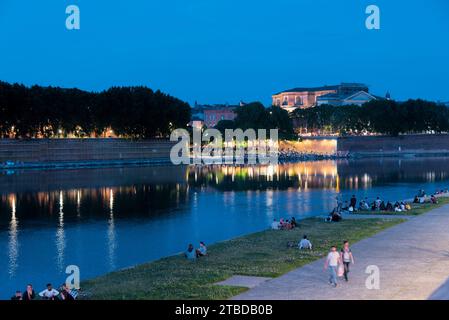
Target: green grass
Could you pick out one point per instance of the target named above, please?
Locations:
(260, 254)
(417, 209)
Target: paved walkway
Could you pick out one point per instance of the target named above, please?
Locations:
(413, 259)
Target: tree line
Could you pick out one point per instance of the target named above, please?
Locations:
(377, 116)
(134, 112)
(256, 116)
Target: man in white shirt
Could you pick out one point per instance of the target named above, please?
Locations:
(275, 225)
(332, 261)
(305, 243)
(49, 293)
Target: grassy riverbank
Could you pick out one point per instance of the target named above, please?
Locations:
(417, 209)
(260, 254)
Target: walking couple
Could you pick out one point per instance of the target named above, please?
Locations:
(338, 263)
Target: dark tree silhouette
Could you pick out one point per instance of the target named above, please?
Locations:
(135, 112)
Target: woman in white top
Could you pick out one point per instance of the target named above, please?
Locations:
(347, 258)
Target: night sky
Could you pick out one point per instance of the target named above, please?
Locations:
(217, 51)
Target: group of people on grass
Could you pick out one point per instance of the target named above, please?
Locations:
(422, 197)
(365, 205)
(64, 293)
(284, 224)
(192, 253)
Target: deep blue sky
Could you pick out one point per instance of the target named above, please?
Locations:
(216, 51)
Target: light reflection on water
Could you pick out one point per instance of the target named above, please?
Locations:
(106, 219)
(13, 242)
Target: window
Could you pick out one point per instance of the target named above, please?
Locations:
(298, 100)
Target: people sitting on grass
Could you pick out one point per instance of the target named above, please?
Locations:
(293, 223)
(202, 250)
(389, 206)
(287, 225)
(433, 199)
(378, 203)
(190, 254)
(364, 205)
(281, 223)
(382, 206)
(345, 206)
(334, 216)
(66, 293)
(284, 224)
(49, 293)
(353, 202)
(305, 243)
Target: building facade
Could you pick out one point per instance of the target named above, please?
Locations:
(303, 98)
(213, 116)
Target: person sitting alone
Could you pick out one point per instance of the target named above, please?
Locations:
(433, 199)
(382, 206)
(49, 293)
(17, 296)
(190, 254)
(305, 243)
(275, 225)
(202, 250)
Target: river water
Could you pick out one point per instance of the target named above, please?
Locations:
(104, 219)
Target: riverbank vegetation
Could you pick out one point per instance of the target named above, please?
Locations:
(264, 253)
(134, 112)
(377, 116)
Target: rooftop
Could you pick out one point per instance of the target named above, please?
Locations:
(325, 87)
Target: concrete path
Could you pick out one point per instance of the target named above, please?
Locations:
(412, 257)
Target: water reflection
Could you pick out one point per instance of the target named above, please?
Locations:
(60, 234)
(13, 242)
(114, 218)
(111, 239)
